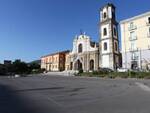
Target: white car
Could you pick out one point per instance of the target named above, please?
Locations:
(122, 70)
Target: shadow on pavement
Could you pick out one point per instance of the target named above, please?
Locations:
(11, 102)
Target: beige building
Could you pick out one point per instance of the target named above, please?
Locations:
(54, 62)
(135, 38)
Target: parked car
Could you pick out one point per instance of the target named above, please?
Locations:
(122, 69)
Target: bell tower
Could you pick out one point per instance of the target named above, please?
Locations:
(109, 44)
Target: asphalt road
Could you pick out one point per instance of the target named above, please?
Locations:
(56, 94)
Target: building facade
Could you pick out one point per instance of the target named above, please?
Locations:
(135, 38)
(84, 55)
(54, 62)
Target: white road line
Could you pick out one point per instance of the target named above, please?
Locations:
(143, 86)
(54, 102)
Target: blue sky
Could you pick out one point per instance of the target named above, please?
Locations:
(32, 28)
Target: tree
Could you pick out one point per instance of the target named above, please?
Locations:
(20, 67)
(2, 69)
(34, 67)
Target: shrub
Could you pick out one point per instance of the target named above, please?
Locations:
(132, 74)
(95, 73)
(124, 74)
(129, 74)
(80, 71)
(112, 75)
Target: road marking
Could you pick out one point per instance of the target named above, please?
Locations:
(143, 86)
(54, 102)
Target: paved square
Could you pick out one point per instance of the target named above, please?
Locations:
(57, 94)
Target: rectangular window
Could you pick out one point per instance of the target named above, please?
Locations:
(148, 34)
(56, 59)
(132, 36)
(105, 46)
(104, 15)
(105, 31)
(132, 26)
(116, 46)
(113, 15)
(134, 56)
(149, 20)
(133, 46)
(115, 32)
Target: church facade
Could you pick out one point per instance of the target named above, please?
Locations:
(87, 55)
(84, 56)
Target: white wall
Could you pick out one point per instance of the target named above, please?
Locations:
(85, 41)
(105, 61)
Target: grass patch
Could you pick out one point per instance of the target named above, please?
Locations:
(129, 74)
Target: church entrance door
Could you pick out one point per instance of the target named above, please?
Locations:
(78, 65)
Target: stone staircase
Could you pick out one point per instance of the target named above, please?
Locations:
(63, 73)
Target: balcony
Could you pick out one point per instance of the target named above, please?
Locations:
(133, 49)
(135, 57)
(133, 38)
(134, 27)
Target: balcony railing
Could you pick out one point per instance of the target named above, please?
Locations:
(130, 28)
(133, 38)
(135, 57)
(133, 49)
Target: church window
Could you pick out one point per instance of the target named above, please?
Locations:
(80, 48)
(115, 32)
(104, 15)
(105, 31)
(116, 46)
(113, 15)
(149, 20)
(105, 46)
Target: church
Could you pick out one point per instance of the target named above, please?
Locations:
(87, 55)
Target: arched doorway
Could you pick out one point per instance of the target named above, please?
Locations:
(78, 65)
(91, 65)
(71, 65)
